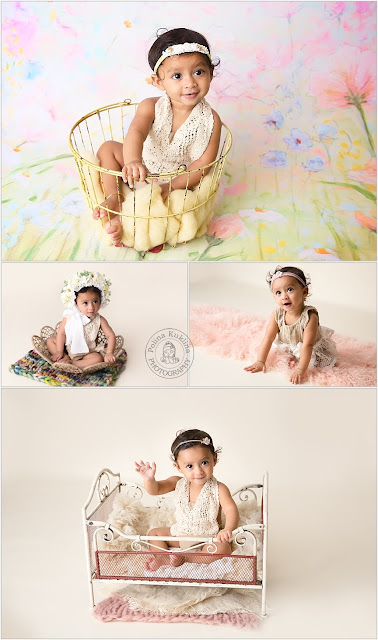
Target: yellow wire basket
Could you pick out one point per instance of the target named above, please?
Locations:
(147, 221)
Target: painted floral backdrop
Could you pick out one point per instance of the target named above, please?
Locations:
(296, 86)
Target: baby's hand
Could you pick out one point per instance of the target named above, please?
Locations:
(224, 535)
(134, 171)
(109, 357)
(256, 366)
(146, 470)
(57, 356)
(296, 376)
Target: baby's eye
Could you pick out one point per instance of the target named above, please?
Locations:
(189, 466)
(205, 462)
(176, 76)
(199, 72)
(278, 293)
(290, 289)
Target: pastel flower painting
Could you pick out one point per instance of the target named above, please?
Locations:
(274, 159)
(314, 164)
(326, 132)
(226, 226)
(298, 140)
(296, 87)
(350, 83)
(274, 120)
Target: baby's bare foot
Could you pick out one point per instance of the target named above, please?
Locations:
(114, 228)
(175, 559)
(112, 203)
(155, 562)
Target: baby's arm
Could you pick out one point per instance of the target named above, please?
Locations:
(110, 336)
(230, 511)
(152, 486)
(134, 169)
(207, 157)
(270, 334)
(60, 342)
(309, 337)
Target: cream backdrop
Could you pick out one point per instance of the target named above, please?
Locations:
(318, 446)
(31, 299)
(343, 293)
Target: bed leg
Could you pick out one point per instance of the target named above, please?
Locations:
(91, 595)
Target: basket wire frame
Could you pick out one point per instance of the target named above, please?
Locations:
(111, 123)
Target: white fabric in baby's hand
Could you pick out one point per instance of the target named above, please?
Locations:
(75, 330)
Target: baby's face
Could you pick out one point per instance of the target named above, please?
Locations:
(186, 78)
(289, 294)
(168, 351)
(88, 303)
(196, 464)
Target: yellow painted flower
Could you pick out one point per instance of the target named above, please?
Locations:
(269, 249)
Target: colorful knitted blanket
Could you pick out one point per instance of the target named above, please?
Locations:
(34, 367)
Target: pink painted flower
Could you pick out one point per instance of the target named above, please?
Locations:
(367, 174)
(226, 226)
(236, 189)
(366, 221)
(350, 83)
(335, 9)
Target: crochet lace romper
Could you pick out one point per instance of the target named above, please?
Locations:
(163, 151)
(90, 334)
(290, 337)
(198, 518)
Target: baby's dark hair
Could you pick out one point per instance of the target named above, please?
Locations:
(298, 272)
(177, 36)
(90, 289)
(192, 438)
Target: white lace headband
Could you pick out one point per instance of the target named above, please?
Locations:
(205, 441)
(281, 274)
(177, 49)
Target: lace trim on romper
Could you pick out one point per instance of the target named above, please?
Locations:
(90, 334)
(290, 338)
(164, 152)
(199, 518)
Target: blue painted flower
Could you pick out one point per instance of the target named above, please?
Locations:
(298, 141)
(314, 164)
(275, 120)
(326, 132)
(274, 159)
(33, 69)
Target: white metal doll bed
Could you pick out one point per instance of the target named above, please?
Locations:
(245, 568)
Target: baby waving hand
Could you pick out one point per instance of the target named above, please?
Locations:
(199, 499)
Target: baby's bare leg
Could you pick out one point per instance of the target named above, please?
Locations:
(89, 359)
(51, 345)
(223, 548)
(169, 558)
(110, 155)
